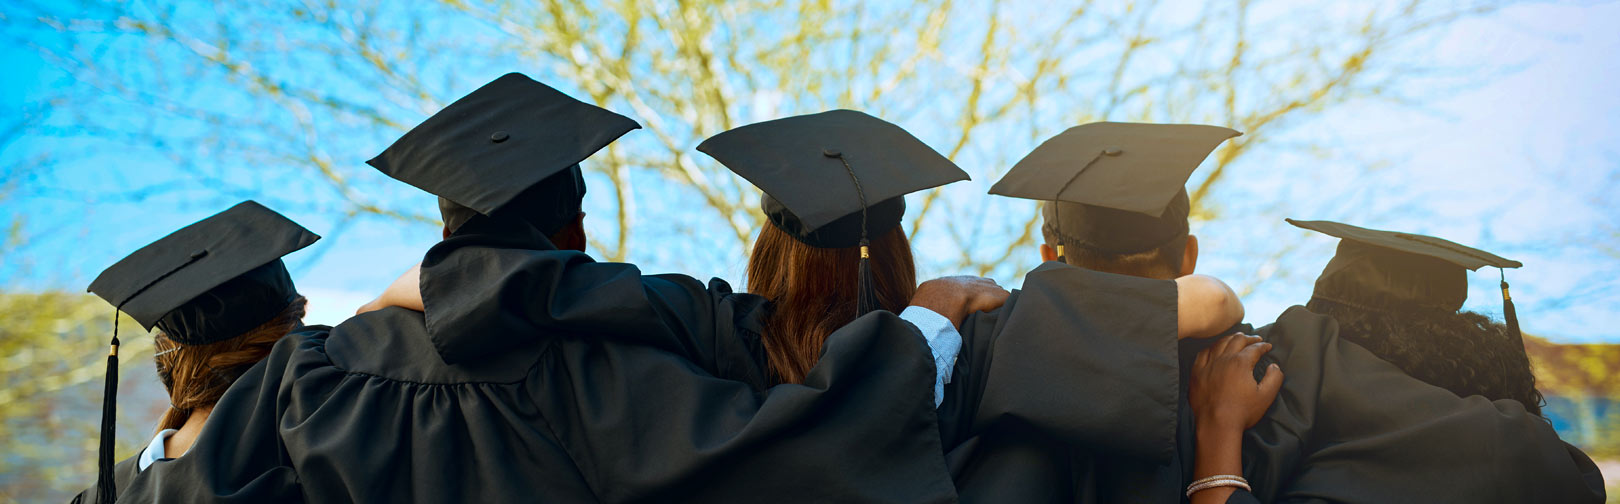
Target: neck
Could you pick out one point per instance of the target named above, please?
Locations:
(178, 443)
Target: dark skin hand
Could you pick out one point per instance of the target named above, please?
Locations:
(1225, 401)
(956, 297)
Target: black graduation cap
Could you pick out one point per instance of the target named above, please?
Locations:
(1380, 270)
(501, 142)
(1117, 188)
(832, 179)
(210, 281)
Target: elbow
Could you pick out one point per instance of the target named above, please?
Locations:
(1228, 305)
(1208, 306)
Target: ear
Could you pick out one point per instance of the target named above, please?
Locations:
(1189, 257)
(1048, 253)
(572, 235)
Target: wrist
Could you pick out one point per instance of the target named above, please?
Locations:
(942, 300)
(1219, 450)
(1218, 428)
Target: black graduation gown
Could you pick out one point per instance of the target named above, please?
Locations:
(1350, 427)
(599, 398)
(1057, 366)
(1068, 393)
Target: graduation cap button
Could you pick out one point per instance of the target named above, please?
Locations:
(197, 254)
(832, 153)
(499, 136)
(1112, 151)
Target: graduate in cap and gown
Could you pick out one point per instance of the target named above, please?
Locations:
(1359, 428)
(1057, 362)
(220, 298)
(834, 249)
(1114, 200)
(537, 374)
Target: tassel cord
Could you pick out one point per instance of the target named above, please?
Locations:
(1057, 212)
(866, 295)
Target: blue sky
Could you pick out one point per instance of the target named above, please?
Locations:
(1509, 161)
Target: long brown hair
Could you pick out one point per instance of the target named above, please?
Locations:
(813, 291)
(197, 375)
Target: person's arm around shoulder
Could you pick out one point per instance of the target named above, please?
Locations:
(405, 292)
(956, 297)
(938, 308)
(1225, 401)
(1205, 306)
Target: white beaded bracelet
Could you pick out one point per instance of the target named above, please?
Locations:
(1220, 480)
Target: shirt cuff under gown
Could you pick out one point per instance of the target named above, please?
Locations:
(943, 341)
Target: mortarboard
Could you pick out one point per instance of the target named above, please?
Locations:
(501, 142)
(1381, 270)
(833, 179)
(209, 281)
(1117, 188)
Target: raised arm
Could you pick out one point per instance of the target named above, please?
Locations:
(486, 290)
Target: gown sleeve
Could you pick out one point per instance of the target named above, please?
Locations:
(1350, 427)
(484, 292)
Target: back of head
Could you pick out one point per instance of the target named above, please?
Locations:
(196, 376)
(1162, 263)
(549, 205)
(813, 292)
(1399, 295)
(1463, 352)
(1118, 241)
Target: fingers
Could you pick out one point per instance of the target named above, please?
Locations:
(1250, 355)
(983, 293)
(1214, 351)
(1271, 383)
(1232, 344)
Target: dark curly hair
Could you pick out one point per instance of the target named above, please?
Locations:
(1464, 352)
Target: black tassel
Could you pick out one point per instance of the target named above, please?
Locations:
(106, 489)
(866, 299)
(866, 294)
(1511, 315)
